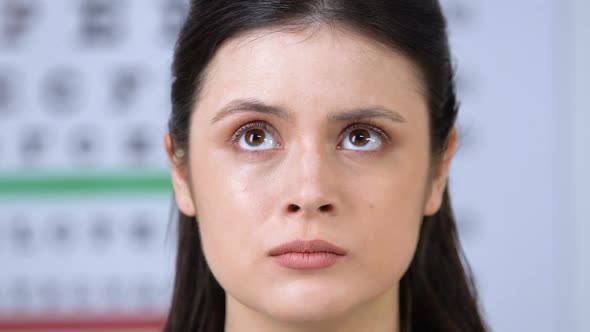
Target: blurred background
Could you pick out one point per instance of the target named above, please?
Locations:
(85, 196)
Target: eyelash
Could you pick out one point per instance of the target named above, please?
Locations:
(251, 125)
(366, 124)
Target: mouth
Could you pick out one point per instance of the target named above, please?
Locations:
(315, 254)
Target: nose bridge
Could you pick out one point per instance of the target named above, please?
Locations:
(312, 188)
(312, 162)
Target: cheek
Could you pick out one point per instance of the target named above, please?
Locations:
(391, 226)
(390, 216)
(231, 210)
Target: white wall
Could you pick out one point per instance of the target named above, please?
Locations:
(571, 115)
(501, 179)
(581, 97)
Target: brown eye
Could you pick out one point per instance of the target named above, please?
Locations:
(359, 137)
(255, 137)
(362, 139)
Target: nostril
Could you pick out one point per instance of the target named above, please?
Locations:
(293, 208)
(326, 208)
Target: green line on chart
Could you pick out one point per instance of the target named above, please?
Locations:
(84, 183)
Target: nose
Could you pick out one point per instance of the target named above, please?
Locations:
(324, 208)
(312, 189)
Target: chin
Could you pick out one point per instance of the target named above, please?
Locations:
(310, 313)
(304, 303)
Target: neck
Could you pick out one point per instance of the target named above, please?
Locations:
(381, 314)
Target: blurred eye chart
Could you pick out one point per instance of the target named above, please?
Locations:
(86, 242)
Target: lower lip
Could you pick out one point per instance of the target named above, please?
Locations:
(309, 260)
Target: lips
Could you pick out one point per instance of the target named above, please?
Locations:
(314, 246)
(302, 255)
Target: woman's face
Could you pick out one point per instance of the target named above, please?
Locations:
(304, 135)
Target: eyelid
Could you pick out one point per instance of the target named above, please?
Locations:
(366, 124)
(254, 124)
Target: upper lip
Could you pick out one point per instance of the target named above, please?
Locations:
(302, 246)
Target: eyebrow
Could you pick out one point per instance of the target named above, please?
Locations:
(252, 105)
(367, 113)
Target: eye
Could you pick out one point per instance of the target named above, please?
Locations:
(255, 136)
(363, 137)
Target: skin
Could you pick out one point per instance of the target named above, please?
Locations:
(311, 181)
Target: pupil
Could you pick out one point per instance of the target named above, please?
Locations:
(255, 137)
(359, 137)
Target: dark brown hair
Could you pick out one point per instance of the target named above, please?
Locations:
(436, 292)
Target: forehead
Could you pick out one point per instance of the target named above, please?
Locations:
(322, 67)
